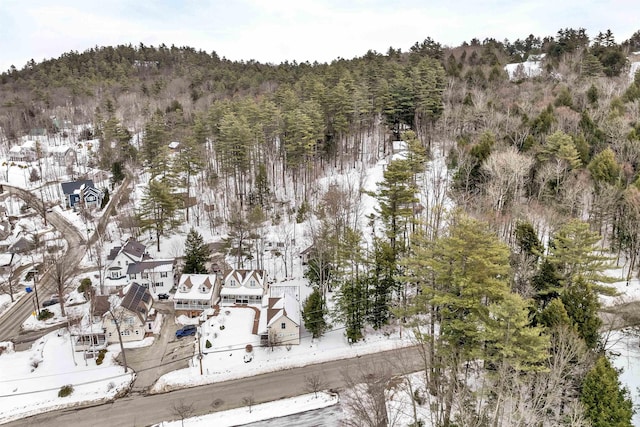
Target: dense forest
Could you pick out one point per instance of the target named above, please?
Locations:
(501, 291)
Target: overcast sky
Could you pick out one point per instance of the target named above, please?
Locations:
(278, 30)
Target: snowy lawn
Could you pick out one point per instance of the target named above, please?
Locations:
(225, 360)
(625, 355)
(72, 311)
(31, 379)
(264, 411)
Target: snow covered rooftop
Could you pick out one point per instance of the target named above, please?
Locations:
(195, 287)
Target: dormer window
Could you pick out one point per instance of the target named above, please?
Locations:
(184, 289)
(252, 283)
(203, 289)
(233, 282)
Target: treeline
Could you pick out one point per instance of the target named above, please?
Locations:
(506, 294)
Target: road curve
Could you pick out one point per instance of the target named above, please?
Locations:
(11, 320)
(139, 410)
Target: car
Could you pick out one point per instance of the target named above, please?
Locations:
(163, 296)
(186, 331)
(51, 301)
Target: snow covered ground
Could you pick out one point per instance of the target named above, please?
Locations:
(625, 355)
(31, 379)
(264, 411)
(225, 360)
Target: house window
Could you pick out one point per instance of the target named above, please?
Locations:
(164, 274)
(132, 276)
(232, 283)
(125, 333)
(252, 283)
(283, 326)
(157, 284)
(145, 275)
(137, 332)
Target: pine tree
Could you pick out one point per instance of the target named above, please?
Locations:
(511, 340)
(158, 213)
(573, 251)
(582, 305)
(352, 307)
(397, 196)
(313, 313)
(196, 254)
(606, 402)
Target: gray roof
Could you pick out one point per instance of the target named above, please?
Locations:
(101, 305)
(139, 267)
(71, 186)
(136, 300)
(114, 253)
(134, 248)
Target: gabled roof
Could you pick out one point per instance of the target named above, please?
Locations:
(243, 276)
(158, 265)
(194, 284)
(286, 305)
(137, 300)
(72, 186)
(113, 253)
(134, 248)
(101, 305)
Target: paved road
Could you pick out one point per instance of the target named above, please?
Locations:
(139, 410)
(165, 355)
(11, 320)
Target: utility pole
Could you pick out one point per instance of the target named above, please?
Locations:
(35, 290)
(199, 349)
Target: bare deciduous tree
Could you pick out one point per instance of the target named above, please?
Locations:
(248, 401)
(365, 400)
(313, 383)
(62, 273)
(182, 410)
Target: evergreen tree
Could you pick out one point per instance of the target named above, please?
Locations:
(582, 305)
(196, 254)
(352, 307)
(510, 338)
(573, 251)
(105, 198)
(313, 313)
(117, 173)
(158, 212)
(606, 402)
(527, 240)
(397, 196)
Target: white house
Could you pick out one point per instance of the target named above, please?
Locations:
(244, 287)
(90, 334)
(26, 152)
(82, 193)
(195, 294)
(62, 155)
(156, 274)
(120, 257)
(134, 314)
(280, 320)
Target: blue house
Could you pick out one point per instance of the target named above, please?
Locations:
(81, 193)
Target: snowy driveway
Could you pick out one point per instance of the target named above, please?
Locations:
(164, 355)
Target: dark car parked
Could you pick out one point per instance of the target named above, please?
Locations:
(186, 331)
(163, 296)
(51, 301)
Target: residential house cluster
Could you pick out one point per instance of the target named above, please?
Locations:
(131, 263)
